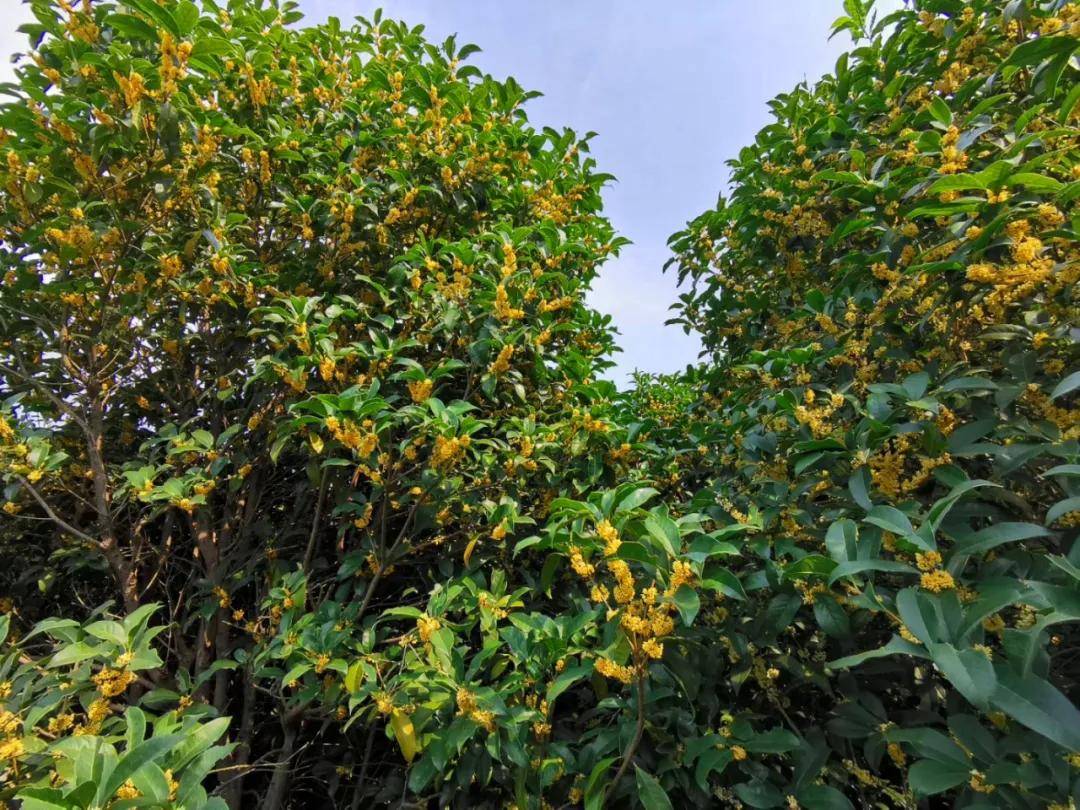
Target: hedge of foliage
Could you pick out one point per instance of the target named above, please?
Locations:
(305, 444)
(890, 299)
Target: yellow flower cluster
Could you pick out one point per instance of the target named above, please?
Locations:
(624, 581)
(363, 442)
(937, 581)
(501, 364)
(112, 682)
(468, 707)
(503, 310)
(610, 535)
(952, 159)
(427, 626)
(384, 703)
(681, 574)
(420, 390)
(127, 791)
(617, 672)
(448, 451)
(581, 567)
(928, 560)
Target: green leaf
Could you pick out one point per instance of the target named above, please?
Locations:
(40, 798)
(1036, 704)
(823, 797)
(970, 671)
(896, 646)
(147, 751)
(108, 631)
(842, 540)
(956, 182)
(810, 565)
(859, 485)
(918, 615)
(595, 785)
(773, 741)
(1069, 384)
(996, 535)
(890, 519)
(131, 27)
(1036, 182)
(186, 14)
(665, 532)
(940, 111)
(159, 14)
(931, 743)
(713, 759)
(1036, 50)
(353, 676)
(74, 653)
(831, 617)
(928, 777)
(197, 741)
(566, 679)
(1062, 508)
(718, 578)
(853, 567)
(638, 497)
(652, 795)
(759, 794)
(688, 602)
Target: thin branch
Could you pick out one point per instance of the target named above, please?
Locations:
(59, 521)
(631, 749)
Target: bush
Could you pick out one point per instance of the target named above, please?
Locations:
(293, 335)
(889, 296)
(64, 746)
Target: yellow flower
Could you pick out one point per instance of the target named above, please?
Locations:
(928, 561)
(11, 749)
(420, 390)
(908, 636)
(502, 363)
(610, 535)
(937, 581)
(384, 703)
(581, 567)
(128, 791)
(609, 669)
(427, 626)
(897, 755)
(738, 753)
(112, 682)
(681, 574)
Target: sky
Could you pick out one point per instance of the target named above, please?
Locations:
(673, 90)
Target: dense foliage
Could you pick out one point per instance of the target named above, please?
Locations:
(305, 451)
(890, 300)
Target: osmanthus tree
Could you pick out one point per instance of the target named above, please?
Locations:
(889, 298)
(294, 344)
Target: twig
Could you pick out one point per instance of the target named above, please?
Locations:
(631, 749)
(59, 521)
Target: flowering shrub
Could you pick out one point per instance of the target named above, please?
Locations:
(64, 743)
(293, 341)
(293, 335)
(889, 297)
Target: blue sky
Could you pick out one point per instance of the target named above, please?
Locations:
(673, 89)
